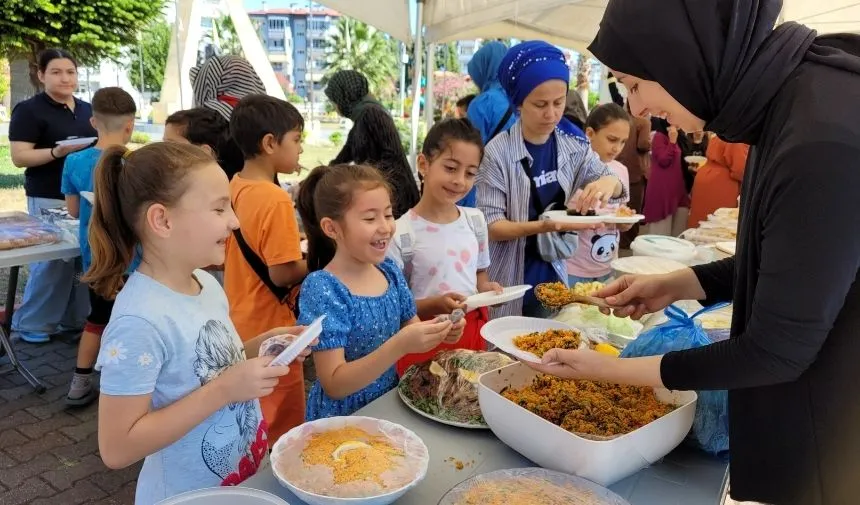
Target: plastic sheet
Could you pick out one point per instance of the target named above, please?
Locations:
(448, 390)
(530, 486)
(710, 429)
(288, 464)
(18, 229)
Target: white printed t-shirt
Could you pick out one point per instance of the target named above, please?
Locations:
(446, 257)
(169, 344)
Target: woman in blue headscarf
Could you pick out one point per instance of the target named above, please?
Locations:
(490, 111)
(534, 166)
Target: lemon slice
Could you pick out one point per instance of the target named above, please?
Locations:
(348, 446)
(469, 375)
(437, 370)
(607, 349)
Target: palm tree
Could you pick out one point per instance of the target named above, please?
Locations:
(226, 38)
(357, 46)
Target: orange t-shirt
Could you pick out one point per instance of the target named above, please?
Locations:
(267, 220)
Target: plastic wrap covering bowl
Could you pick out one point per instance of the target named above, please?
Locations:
(314, 484)
(602, 461)
(529, 485)
(224, 496)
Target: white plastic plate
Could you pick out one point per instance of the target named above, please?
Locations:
(501, 333)
(490, 298)
(560, 216)
(727, 247)
(83, 141)
(89, 196)
(696, 159)
(299, 343)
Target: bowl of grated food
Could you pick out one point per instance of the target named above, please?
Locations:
(355, 460)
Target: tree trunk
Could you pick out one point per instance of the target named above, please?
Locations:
(583, 78)
(33, 59)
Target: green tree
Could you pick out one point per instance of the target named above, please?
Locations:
(4, 78)
(448, 58)
(357, 46)
(90, 29)
(153, 48)
(228, 39)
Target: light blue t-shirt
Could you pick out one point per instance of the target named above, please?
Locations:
(78, 173)
(168, 344)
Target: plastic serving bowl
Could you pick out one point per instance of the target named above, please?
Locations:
(333, 423)
(551, 447)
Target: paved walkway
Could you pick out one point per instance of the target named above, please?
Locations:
(49, 454)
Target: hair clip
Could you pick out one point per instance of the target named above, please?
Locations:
(126, 154)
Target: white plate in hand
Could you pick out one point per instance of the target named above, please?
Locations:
(501, 333)
(77, 142)
(299, 343)
(612, 218)
(727, 247)
(560, 216)
(88, 196)
(491, 298)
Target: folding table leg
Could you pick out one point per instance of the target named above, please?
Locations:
(6, 335)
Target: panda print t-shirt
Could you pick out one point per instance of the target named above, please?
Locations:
(597, 249)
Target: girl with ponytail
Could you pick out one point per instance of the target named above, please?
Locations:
(371, 319)
(176, 387)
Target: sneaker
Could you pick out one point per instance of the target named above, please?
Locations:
(81, 391)
(32, 338)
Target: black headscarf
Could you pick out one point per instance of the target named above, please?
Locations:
(727, 63)
(350, 91)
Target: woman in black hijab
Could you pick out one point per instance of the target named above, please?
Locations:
(791, 366)
(373, 139)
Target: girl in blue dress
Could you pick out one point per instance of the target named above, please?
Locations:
(370, 319)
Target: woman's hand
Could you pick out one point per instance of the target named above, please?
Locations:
(64, 150)
(423, 336)
(573, 364)
(597, 193)
(250, 379)
(636, 295)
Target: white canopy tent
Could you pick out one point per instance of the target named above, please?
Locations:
(567, 23)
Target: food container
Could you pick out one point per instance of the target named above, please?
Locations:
(576, 490)
(604, 462)
(224, 496)
(661, 246)
(411, 444)
(644, 265)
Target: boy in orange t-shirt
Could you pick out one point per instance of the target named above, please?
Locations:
(269, 133)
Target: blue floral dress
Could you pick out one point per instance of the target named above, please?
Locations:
(357, 324)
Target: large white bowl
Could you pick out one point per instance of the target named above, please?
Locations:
(334, 423)
(550, 446)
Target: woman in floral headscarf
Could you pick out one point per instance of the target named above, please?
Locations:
(374, 139)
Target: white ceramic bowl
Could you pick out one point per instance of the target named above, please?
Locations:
(333, 423)
(550, 446)
(645, 265)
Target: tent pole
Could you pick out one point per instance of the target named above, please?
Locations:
(430, 72)
(416, 85)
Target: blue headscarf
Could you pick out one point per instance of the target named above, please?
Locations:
(528, 65)
(484, 65)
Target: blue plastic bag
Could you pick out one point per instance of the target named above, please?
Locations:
(710, 430)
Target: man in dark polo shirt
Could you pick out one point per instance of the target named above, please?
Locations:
(54, 301)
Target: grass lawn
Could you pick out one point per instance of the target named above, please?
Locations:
(12, 178)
